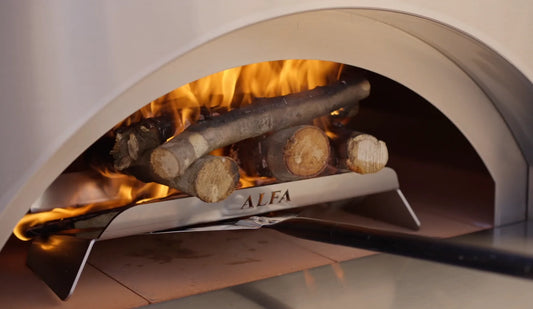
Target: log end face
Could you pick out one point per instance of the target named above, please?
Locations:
(121, 158)
(217, 179)
(164, 163)
(365, 87)
(366, 154)
(132, 142)
(360, 88)
(307, 151)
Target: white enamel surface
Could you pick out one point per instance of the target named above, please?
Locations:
(72, 69)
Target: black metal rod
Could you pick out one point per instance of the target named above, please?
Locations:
(426, 248)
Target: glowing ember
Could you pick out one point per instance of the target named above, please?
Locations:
(216, 93)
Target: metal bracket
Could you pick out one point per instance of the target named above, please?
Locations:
(59, 260)
(391, 207)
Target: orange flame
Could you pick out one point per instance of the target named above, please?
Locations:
(216, 93)
(126, 189)
(237, 87)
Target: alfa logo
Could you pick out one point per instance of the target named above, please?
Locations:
(264, 199)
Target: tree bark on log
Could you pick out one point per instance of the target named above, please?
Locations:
(172, 158)
(133, 141)
(210, 178)
(361, 153)
(290, 154)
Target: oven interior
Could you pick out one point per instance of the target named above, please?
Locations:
(440, 174)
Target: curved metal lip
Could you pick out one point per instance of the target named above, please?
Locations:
(248, 202)
(515, 123)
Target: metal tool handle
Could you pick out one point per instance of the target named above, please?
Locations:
(425, 248)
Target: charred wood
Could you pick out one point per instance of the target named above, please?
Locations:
(133, 141)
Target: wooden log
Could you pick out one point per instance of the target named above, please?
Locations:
(172, 158)
(210, 178)
(132, 142)
(250, 155)
(294, 153)
(361, 153)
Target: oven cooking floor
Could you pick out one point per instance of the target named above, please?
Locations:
(385, 281)
(140, 270)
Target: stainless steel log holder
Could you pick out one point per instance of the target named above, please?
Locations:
(60, 249)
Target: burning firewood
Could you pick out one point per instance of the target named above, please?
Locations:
(133, 141)
(290, 154)
(360, 152)
(210, 178)
(297, 152)
(171, 159)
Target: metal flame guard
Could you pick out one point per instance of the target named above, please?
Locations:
(252, 201)
(383, 201)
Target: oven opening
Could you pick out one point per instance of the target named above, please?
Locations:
(359, 131)
(272, 138)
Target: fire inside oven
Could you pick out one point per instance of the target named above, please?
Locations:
(262, 138)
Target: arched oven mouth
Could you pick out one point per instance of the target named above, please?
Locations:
(447, 125)
(264, 139)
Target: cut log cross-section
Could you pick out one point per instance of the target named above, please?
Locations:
(361, 153)
(290, 154)
(172, 159)
(210, 178)
(297, 152)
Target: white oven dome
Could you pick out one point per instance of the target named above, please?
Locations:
(71, 70)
